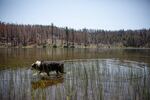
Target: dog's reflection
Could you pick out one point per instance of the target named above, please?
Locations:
(46, 82)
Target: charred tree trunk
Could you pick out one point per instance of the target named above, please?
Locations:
(67, 37)
(52, 31)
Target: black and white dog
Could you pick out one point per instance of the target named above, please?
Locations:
(47, 66)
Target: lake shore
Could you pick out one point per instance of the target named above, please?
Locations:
(102, 46)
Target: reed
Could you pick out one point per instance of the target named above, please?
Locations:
(97, 79)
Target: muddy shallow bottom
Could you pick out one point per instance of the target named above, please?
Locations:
(99, 79)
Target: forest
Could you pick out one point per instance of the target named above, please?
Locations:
(20, 35)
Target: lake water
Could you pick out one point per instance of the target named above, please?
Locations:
(91, 74)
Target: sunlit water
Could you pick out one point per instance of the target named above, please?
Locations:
(86, 79)
(104, 74)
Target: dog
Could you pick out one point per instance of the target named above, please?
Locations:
(48, 66)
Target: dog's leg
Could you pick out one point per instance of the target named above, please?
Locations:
(40, 72)
(47, 73)
(57, 72)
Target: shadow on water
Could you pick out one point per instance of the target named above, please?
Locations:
(46, 82)
(44, 88)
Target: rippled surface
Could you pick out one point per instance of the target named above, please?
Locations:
(88, 79)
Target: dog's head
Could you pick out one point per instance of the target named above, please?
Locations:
(35, 65)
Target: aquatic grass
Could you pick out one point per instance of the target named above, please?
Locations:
(97, 79)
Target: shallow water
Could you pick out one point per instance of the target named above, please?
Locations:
(14, 57)
(99, 75)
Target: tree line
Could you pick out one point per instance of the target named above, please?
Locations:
(50, 35)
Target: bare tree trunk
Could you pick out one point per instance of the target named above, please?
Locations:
(52, 29)
(72, 37)
(67, 37)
